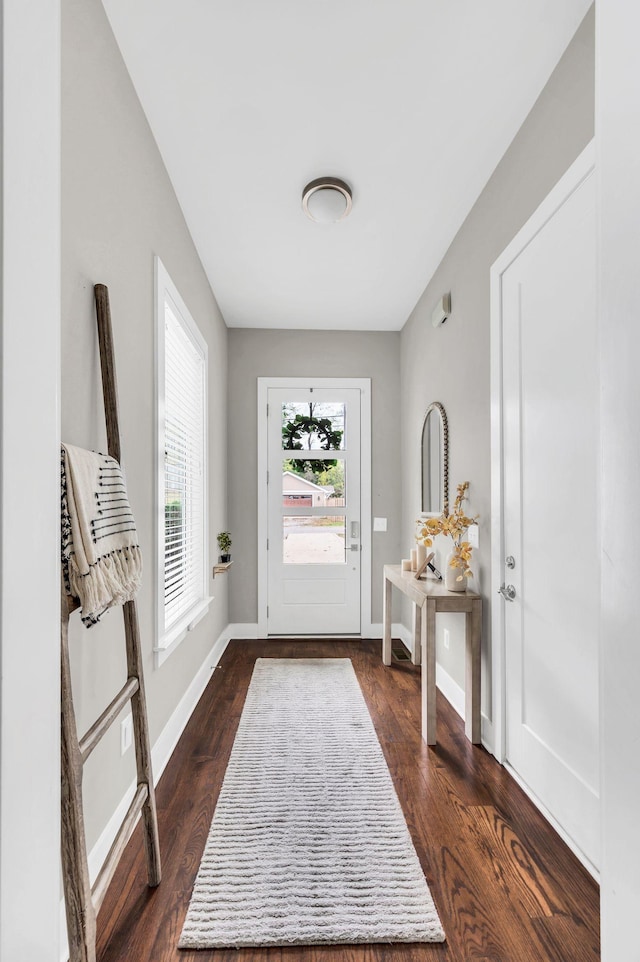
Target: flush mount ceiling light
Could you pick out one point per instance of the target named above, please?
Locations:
(326, 200)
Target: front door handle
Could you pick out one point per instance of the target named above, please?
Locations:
(508, 592)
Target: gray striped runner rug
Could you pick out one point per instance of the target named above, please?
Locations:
(308, 844)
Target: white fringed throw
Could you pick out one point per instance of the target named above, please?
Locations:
(101, 559)
(308, 843)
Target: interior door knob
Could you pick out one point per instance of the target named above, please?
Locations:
(508, 592)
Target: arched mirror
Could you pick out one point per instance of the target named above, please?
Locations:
(435, 461)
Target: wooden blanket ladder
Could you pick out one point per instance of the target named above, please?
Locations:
(83, 902)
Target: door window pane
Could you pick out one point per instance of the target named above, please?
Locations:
(321, 484)
(313, 540)
(313, 426)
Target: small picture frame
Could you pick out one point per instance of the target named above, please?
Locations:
(424, 564)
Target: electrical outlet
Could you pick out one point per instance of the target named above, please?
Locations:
(126, 734)
(473, 535)
(445, 637)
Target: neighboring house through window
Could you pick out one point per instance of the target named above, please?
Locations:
(182, 468)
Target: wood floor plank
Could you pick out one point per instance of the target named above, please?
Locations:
(474, 913)
(580, 892)
(506, 887)
(565, 938)
(514, 865)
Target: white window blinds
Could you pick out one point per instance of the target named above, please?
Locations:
(182, 417)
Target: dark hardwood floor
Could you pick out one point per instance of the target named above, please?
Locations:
(506, 887)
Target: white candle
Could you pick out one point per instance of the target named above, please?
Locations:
(406, 564)
(422, 554)
(414, 559)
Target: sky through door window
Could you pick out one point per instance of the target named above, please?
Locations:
(182, 460)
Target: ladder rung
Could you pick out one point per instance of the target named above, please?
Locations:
(101, 885)
(89, 741)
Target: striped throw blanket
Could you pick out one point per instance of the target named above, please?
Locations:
(101, 559)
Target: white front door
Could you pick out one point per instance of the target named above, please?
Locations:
(550, 561)
(313, 516)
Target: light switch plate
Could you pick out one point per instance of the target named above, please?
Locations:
(473, 535)
(379, 524)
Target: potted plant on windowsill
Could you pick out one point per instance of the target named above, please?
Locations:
(224, 544)
(454, 525)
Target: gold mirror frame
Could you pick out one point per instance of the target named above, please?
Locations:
(437, 407)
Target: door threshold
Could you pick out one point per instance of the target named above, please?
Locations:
(322, 637)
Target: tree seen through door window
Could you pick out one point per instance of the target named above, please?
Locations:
(312, 426)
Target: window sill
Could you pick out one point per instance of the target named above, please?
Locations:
(178, 632)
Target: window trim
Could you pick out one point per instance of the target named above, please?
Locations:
(166, 291)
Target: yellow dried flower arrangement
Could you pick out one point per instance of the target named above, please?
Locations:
(455, 526)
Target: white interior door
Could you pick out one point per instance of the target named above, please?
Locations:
(313, 516)
(550, 491)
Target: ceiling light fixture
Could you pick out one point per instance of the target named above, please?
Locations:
(326, 200)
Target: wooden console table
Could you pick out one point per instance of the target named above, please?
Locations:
(430, 596)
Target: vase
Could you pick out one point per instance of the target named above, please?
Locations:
(452, 574)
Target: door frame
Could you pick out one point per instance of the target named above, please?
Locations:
(30, 409)
(363, 384)
(577, 173)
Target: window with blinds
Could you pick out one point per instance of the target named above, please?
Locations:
(182, 540)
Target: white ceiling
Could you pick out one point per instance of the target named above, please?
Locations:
(412, 102)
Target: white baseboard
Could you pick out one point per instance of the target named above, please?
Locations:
(450, 689)
(486, 733)
(455, 696)
(249, 631)
(160, 755)
(398, 630)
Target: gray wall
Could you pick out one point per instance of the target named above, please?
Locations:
(451, 364)
(119, 209)
(260, 353)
